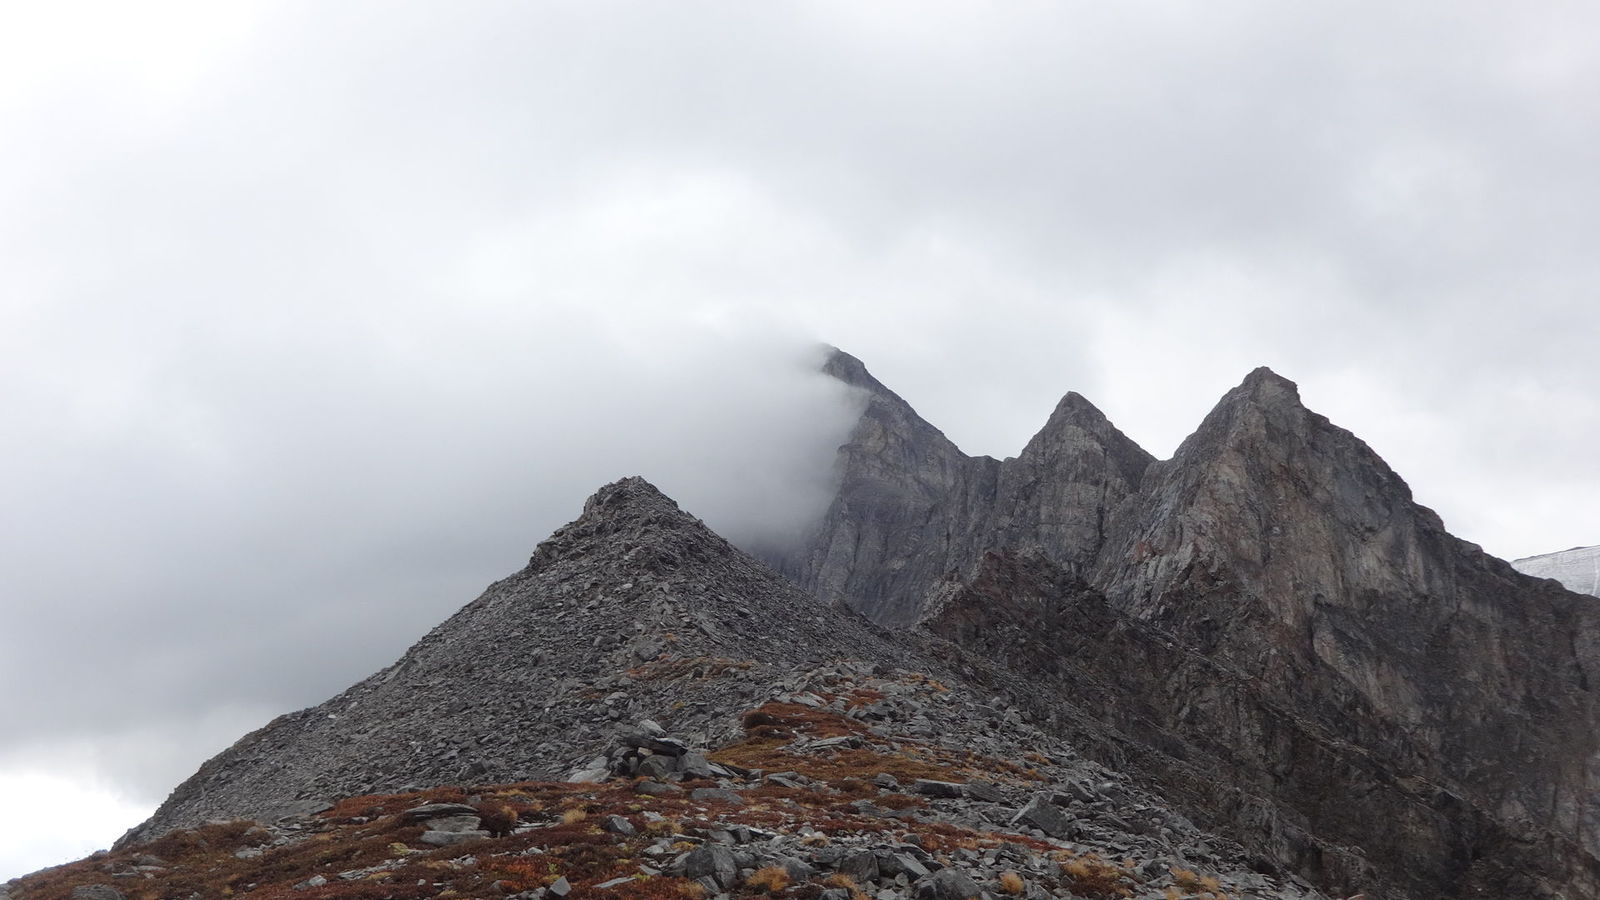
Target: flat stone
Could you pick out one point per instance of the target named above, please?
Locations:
(96, 892)
(436, 811)
(715, 795)
(656, 788)
(946, 789)
(296, 809)
(618, 825)
(451, 838)
(455, 823)
(562, 887)
(662, 745)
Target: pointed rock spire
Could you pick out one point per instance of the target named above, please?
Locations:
(1076, 424)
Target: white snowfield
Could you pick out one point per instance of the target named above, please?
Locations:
(1578, 568)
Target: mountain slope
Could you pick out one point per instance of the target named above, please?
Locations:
(526, 680)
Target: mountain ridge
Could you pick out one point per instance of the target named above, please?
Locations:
(1264, 635)
(1282, 546)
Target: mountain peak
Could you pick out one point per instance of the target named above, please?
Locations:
(624, 515)
(1077, 407)
(1264, 387)
(628, 495)
(1076, 425)
(851, 371)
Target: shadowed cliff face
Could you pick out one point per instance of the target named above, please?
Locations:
(1304, 794)
(1282, 550)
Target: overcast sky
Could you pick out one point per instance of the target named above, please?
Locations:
(316, 317)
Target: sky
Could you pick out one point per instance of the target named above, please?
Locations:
(315, 318)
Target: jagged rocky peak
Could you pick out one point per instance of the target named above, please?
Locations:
(912, 509)
(1267, 487)
(1077, 426)
(1281, 551)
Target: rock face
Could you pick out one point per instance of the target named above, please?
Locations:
(912, 508)
(1369, 680)
(1578, 569)
(1281, 546)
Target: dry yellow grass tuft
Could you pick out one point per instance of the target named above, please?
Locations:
(841, 880)
(573, 816)
(1095, 877)
(771, 879)
(1193, 882)
(1011, 883)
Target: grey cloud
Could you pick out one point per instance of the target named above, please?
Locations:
(305, 343)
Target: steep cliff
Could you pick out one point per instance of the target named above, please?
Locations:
(912, 509)
(1304, 794)
(1281, 545)
(1388, 687)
